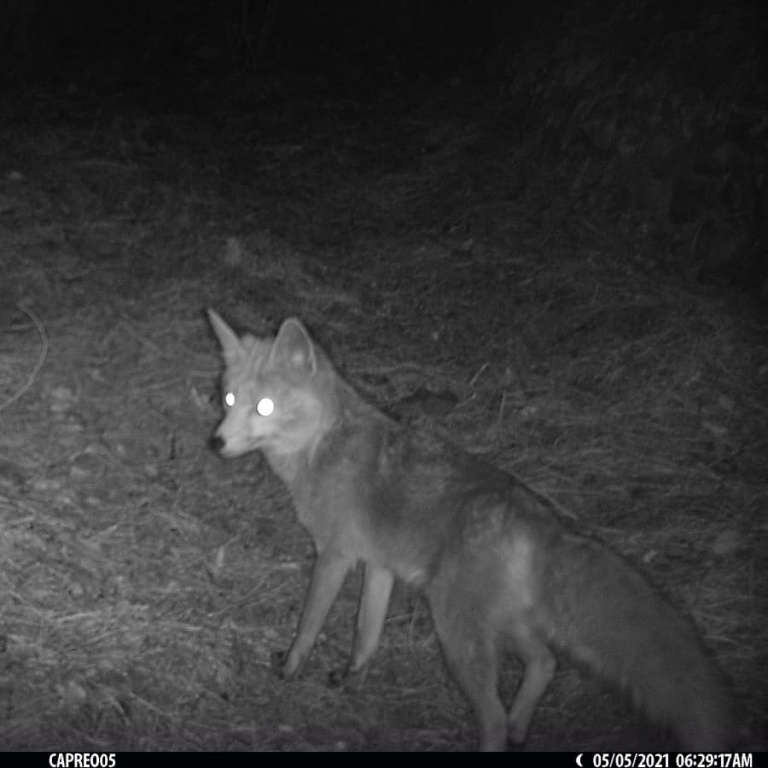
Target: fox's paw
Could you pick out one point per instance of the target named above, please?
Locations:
(278, 661)
(336, 678)
(516, 732)
(349, 680)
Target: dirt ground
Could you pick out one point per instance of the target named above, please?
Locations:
(457, 274)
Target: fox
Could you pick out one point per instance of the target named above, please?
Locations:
(503, 570)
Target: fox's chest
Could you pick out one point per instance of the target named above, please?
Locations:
(332, 507)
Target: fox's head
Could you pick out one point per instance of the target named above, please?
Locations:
(273, 391)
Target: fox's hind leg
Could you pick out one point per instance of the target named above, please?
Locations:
(374, 601)
(471, 651)
(539, 669)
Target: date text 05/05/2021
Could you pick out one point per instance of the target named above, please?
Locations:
(665, 760)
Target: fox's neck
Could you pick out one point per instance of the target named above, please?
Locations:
(289, 467)
(344, 412)
(293, 459)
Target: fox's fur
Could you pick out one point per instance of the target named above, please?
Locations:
(500, 568)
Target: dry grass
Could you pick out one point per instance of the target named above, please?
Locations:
(144, 583)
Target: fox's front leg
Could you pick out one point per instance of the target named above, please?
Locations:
(327, 577)
(374, 601)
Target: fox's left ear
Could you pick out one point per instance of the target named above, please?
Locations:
(229, 340)
(293, 348)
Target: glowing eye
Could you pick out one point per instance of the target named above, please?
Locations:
(229, 399)
(265, 407)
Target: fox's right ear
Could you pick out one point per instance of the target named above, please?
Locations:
(231, 346)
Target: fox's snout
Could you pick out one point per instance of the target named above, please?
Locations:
(227, 448)
(229, 442)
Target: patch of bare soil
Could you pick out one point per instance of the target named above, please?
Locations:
(441, 259)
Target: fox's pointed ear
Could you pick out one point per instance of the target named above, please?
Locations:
(293, 348)
(230, 343)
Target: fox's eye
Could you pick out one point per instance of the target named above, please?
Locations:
(265, 407)
(229, 399)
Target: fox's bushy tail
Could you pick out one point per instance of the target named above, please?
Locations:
(604, 613)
